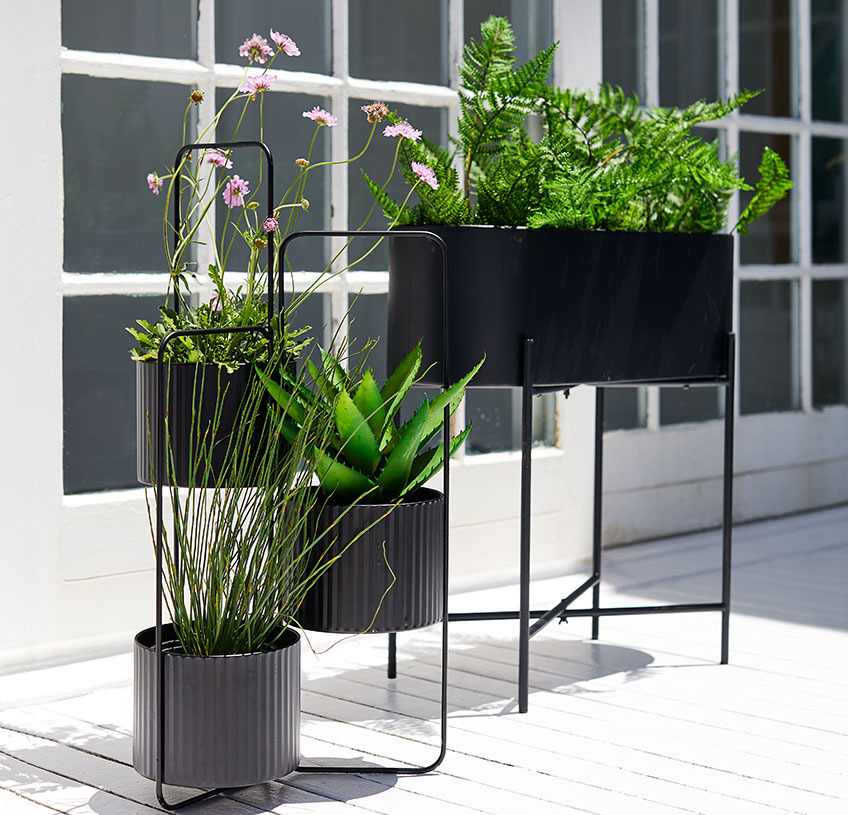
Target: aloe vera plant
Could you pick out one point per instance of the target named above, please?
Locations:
(369, 458)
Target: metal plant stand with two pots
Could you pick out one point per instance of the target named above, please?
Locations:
(182, 737)
(553, 309)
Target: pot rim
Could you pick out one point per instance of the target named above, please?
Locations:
(290, 639)
(430, 496)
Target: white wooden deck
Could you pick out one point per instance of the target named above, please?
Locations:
(642, 721)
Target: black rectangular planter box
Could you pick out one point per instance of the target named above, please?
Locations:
(601, 307)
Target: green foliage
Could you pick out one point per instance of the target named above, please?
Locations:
(247, 553)
(366, 457)
(533, 155)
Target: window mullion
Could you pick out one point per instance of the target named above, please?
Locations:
(650, 21)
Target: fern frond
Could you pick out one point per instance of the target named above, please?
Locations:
(774, 183)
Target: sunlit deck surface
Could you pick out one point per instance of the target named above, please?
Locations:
(643, 720)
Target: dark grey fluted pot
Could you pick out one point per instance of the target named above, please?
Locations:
(230, 721)
(192, 407)
(345, 598)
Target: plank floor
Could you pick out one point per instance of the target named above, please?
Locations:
(643, 720)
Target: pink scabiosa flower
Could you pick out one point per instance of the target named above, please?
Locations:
(256, 48)
(235, 191)
(270, 224)
(285, 43)
(155, 183)
(321, 116)
(425, 174)
(403, 129)
(217, 158)
(257, 84)
(376, 111)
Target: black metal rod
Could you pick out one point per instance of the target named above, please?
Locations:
(468, 616)
(552, 614)
(597, 514)
(524, 565)
(727, 515)
(619, 611)
(391, 670)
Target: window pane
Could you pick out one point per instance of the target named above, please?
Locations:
(495, 418)
(830, 342)
(764, 55)
(308, 24)
(377, 162)
(154, 28)
(829, 24)
(99, 390)
(679, 405)
(688, 51)
(114, 132)
(532, 22)
(400, 41)
(288, 136)
(624, 408)
(313, 314)
(829, 212)
(768, 346)
(769, 240)
(367, 322)
(621, 45)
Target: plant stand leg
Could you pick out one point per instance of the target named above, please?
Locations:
(524, 570)
(597, 527)
(727, 513)
(391, 671)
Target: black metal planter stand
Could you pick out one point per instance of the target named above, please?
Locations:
(392, 637)
(562, 610)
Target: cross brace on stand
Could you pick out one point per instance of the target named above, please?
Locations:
(562, 609)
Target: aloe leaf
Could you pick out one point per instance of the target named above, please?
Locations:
(287, 401)
(333, 371)
(367, 398)
(395, 473)
(339, 480)
(395, 390)
(323, 383)
(428, 463)
(359, 446)
(449, 398)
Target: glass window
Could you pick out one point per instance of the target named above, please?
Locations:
(400, 41)
(770, 239)
(532, 23)
(768, 346)
(495, 418)
(679, 405)
(624, 408)
(621, 46)
(830, 342)
(99, 390)
(366, 323)
(377, 162)
(154, 28)
(829, 25)
(288, 136)
(688, 51)
(829, 212)
(308, 24)
(765, 55)
(114, 132)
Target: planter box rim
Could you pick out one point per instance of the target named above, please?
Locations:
(146, 638)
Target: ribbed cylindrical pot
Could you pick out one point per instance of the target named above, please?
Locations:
(346, 597)
(230, 721)
(192, 408)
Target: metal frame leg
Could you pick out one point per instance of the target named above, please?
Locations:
(391, 670)
(727, 517)
(524, 568)
(597, 528)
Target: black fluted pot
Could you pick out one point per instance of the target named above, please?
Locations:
(230, 721)
(346, 597)
(192, 407)
(602, 307)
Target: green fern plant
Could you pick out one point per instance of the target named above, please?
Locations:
(601, 162)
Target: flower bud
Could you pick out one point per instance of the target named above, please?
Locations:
(253, 205)
(196, 96)
(304, 203)
(301, 162)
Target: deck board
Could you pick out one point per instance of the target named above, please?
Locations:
(642, 721)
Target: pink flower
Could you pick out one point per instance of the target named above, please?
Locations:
(376, 111)
(215, 302)
(425, 174)
(257, 84)
(323, 117)
(256, 48)
(403, 129)
(285, 43)
(217, 158)
(235, 192)
(154, 182)
(271, 225)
